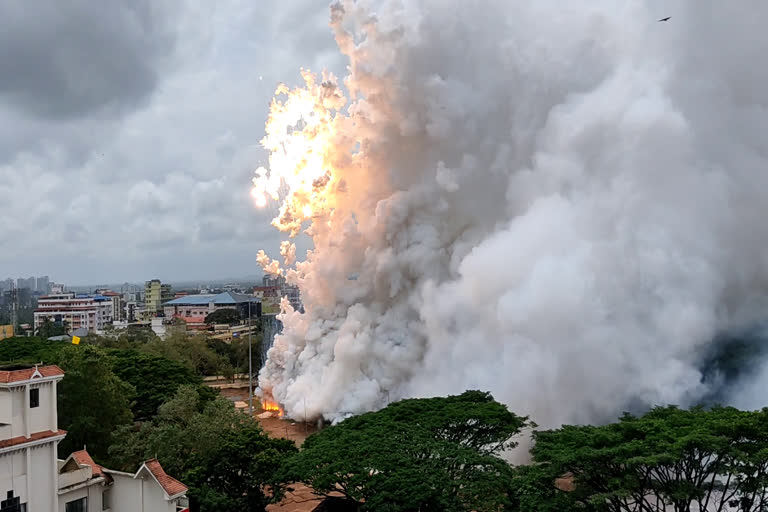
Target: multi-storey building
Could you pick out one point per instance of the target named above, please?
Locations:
(43, 285)
(28, 437)
(155, 294)
(117, 303)
(29, 283)
(32, 479)
(275, 288)
(90, 312)
(194, 308)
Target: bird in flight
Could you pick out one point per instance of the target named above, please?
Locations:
(665, 19)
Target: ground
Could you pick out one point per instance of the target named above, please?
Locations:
(275, 427)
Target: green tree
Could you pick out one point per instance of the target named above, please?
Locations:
(668, 459)
(231, 477)
(534, 489)
(32, 350)
(222, 454)
(49, 329)
(155, 379)
(192, 350)
(435, 454)
(92, 402)
(223, 316)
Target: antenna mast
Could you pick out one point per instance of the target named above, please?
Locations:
(15, 309)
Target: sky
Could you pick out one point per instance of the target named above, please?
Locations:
(129, 134)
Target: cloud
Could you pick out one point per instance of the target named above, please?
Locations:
(68, 60)
(130, 133)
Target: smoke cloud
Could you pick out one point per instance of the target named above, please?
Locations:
(561, 203)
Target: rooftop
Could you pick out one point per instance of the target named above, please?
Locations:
(21, 373)
(219, 299)
(37, 436)
(83, 458)
(170, 485)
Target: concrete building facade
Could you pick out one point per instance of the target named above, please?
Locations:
(28, 437)
(32, 479)
(194, 308)
(155, 294)
(90, 312)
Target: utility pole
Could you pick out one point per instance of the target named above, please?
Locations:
(15, 309)
(250, 362)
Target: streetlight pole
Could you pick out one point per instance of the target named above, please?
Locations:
(250, 362)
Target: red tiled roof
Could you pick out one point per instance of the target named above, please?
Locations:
(299, 498)
(171, 486)
(191, 319)
(37, 436)
(83, 458)
(26, 374)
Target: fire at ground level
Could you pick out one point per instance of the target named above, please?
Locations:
(268, 414)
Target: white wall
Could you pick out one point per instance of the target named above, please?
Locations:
(15, 407)
(92, 492)
(41, 418)
(18, 409)
(127, 495)
(13, 474)
(43, 470)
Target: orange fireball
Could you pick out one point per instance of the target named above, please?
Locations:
(272, 406)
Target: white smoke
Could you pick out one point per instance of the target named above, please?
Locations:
(559, 202)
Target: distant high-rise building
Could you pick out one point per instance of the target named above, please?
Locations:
(155, 294)
(7, 285)
(28, 283)
(43, 285)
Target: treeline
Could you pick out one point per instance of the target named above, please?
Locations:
(133, 397)
(197, 351)
(130, 401)
(444, 454)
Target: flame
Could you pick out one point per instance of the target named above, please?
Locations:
(299, 138)
(259, 199)
(270, 405)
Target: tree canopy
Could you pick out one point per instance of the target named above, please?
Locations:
(92, 402)
(49, 329)
(155, 379)
(434, 454)
(667, 459)
(223, 316)
(221, 454)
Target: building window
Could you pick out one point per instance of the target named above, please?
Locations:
(34, 397)
(106, 500)
(12, 504)
(80, 505)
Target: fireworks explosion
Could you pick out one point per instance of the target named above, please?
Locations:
(557, 203)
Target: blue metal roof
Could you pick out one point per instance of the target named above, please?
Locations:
(220, 299)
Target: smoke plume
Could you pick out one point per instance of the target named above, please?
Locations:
(559, 202)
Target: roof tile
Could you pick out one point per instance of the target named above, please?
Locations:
(37, 436)
(170, 485)
(8, 376)
(84, 459)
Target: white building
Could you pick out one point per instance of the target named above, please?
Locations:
(91, 312)
(84, 486)
(28, 438)
(32, 479)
